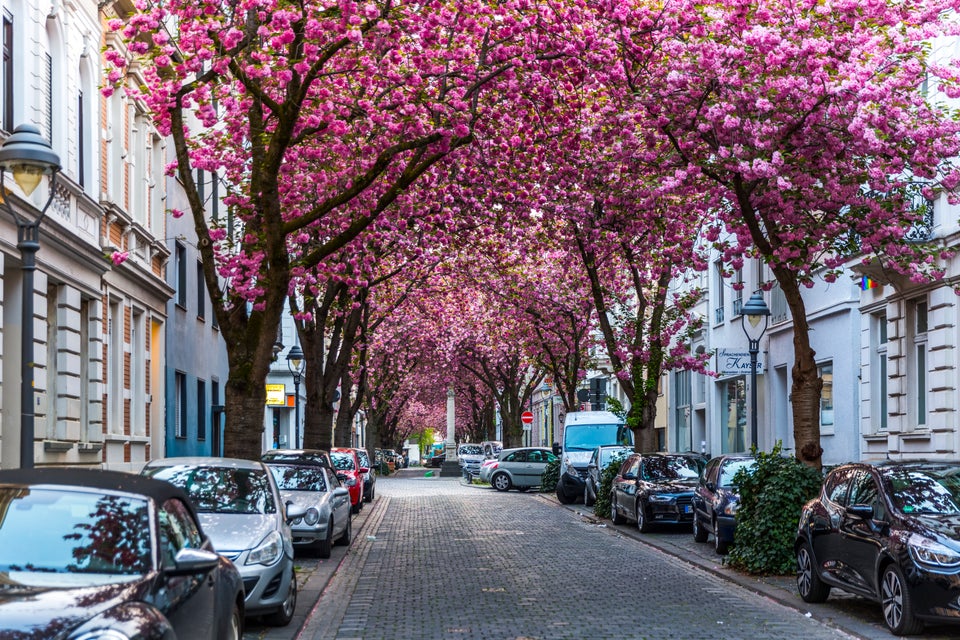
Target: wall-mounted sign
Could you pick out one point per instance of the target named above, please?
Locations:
(276, 395)
(731, 362)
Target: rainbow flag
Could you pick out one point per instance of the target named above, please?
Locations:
(866, 283)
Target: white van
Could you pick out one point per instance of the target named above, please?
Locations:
(584, 431)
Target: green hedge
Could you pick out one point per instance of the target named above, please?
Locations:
(550, 477)
(601, 507)
(771, 498)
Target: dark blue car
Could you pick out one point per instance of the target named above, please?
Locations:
(715, 500)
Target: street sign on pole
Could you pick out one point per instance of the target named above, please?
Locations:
(526, 417)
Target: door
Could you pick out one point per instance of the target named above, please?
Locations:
(513, 464)
(625, 486)
(860, 537)
(825, 523)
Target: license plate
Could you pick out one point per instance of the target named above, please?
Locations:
(687, 508)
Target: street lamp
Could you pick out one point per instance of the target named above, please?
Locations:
(752, 312)
(28, 157)
(295, 364)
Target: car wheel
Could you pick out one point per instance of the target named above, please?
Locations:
(588, 499)
(615, 516)
(344, 540)
(720, 546)
(643, 522)
(356, 507)
(501, 482)
(235, 625)
(699, 533)
(282, 616)
(562, 497)
(324, 547)
(811, 588)
(897, 605)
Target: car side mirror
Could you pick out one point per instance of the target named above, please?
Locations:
(629, 476)
(711, 485)
(193, 561)
(341, 491)
(294, 511)
(592, 465)
(364, 469)
(862, 511)
(556, 449)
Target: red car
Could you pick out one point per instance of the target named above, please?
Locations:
(347, 464)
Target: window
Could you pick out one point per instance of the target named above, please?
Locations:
(682, 415)
(201, 293)
(47, 92)
(734, 415)
(718, 311)
(180, 408)
(115, 370)
(177, 530)
(879, 385)
(918, 368)
(738, 292)
(138, 373)
(81, 142)
(181, 266)
(825, 371)
(201, 409)
(7, 72)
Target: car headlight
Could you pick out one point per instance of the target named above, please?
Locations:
(268, 551)
(660, 498)
(103, 634)
(312, 516)
(731, 508)
(932, 554)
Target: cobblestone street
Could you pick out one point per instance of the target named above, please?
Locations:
(440, 559)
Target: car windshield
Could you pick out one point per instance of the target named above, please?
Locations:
(470, 450)
(60, 531)
(587, 437)
(668, 468)
(296, 478)
(608, 455)
(220, 489)
(926, 491)
(730, 469)
(343, 461)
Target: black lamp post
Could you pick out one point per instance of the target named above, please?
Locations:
(295, 364)
(755, 310)
(28, 157)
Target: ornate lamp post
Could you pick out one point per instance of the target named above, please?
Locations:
(753, 312)
(28, 157)
(295, 364)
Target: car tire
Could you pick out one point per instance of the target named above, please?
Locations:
(282, 616)
(720, 546)
(562, 497)
(588, 500)
(356, 507)
(809, 584)
(643, 522)
(615, 516)
(347, 536)
(699, 533)
(897, 604)
(324, 547)
(501, 482)
(235, 625)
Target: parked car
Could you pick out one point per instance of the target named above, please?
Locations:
(520, 468)
(470, 457)
(599, 460)
(653, 488)
(491, 449)
(370, 477)
(327, 518)
(584, 431)
(487, 468)
(435, 461)
(715, 500)
(239, 507)
(889, 532)
(350, 473)
(299, 456)
(106, 554)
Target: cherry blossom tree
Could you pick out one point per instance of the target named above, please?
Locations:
(813, 122)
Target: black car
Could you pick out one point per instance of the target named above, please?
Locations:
(370, 477)
(104, 554)
(715, 500)
(653, 488)
(889, 532)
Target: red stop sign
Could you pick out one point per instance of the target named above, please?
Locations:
(526, 417)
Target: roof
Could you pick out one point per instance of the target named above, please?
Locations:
(591, 417)
(206, 461)
(158, 490)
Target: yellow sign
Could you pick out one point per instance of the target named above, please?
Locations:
(276, 395)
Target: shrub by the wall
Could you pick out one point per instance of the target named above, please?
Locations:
(770, 502)
(601, 507)
(550, 477)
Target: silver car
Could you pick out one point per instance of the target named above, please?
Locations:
(327, 518)
(239, 507)
(520, 468)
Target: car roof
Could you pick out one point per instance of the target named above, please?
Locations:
(158, 490)
(307, 457)
(591, 417)
(206, 461)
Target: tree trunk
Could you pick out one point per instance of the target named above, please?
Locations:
(244, 438)
(806, 384)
